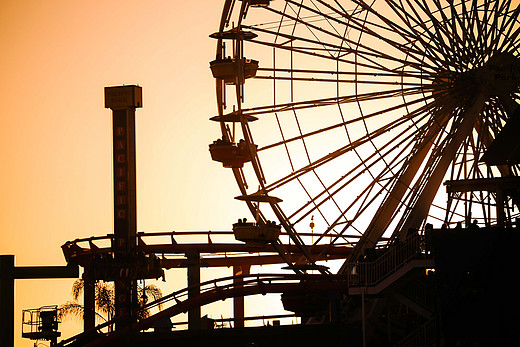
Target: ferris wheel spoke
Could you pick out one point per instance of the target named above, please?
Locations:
(485, 34)
(457, 25)
(493, 26)
(292, 167)
(392, 27)
(341, 81)
(483, 29)
(418, 53)
(433, 43)
(407, 117)
(410, 51)
(508, 21)
(452, 38)
(468, 17)
(511, 42)
(463, 42)
(463, 19)
(467, 41)
(348, 178)
(369, 51)
(271, 109)
(310, 29)
(366, 194)
(436, 44)
(407, 35)
(327, 158)
(412, 74)
(367, 201)
(313, 29)
(503, 18)
(312, 53)
(290, 38)
(326, 17)
(348, 223)
(353, 23)
(309, 160)
(324, 195)
(356, 171)
(479, 15)
(476, 33)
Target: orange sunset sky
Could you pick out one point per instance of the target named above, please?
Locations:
(55, 134)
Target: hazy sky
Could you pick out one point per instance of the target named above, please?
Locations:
(55, 134)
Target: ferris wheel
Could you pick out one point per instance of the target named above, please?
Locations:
(342, 119)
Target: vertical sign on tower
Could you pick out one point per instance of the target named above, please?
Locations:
(123, 101)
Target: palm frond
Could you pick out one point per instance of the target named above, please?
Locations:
(77, 288)
(151, 292)
(74, 310)
(105, 298)
(71, 308)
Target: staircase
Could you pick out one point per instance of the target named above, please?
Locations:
(397, 273)
(426, 335)
(375, 276)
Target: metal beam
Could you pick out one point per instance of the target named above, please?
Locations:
(43, 272)
(484, 184)
(239, 301)
(193, 258)
(8, 273)
(89, 303)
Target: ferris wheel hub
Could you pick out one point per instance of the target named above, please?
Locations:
(500, 75)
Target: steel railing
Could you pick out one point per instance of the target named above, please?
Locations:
(369, 273)
(426, 335)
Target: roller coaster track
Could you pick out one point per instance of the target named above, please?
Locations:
(230, 252)
(212, 291)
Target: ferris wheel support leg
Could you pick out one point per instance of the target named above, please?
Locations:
(423, 203)
(382, 218)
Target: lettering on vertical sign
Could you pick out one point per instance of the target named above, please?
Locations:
(120, 169)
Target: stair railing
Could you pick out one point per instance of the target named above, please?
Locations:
(369, 273)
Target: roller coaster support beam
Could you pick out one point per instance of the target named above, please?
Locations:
(194, 321)
(89, 303)
(123, 100)
(239, 301)
(8, 273)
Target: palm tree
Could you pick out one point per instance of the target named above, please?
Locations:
(104, 297)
